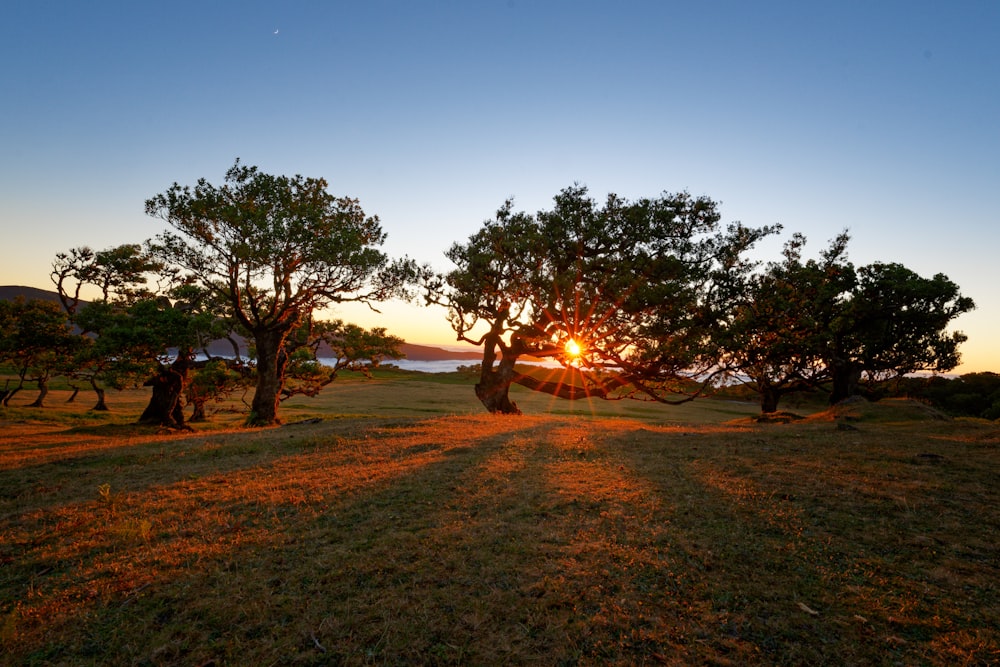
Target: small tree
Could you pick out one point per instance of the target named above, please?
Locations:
(317, 352)
(117, 277)
(36, 339)
(211, 381)
(274, 248)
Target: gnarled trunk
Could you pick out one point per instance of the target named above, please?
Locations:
(165, 408)
(270, 377)
(493, 387)
(769, 397)
(846, 379)
(43, 391)
(10, 394)
(198, 411)
(102, 404)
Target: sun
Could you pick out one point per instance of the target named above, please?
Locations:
(573, 348)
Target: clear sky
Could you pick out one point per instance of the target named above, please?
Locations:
(879, 117)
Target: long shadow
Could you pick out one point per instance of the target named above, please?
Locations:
(179, 546)
(798, 579)
(81, 463)
(460, 541)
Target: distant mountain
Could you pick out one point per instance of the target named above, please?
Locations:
(11, 292)
(428, 353)
(414, 352)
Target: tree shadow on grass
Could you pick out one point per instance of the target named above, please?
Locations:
(473, 540)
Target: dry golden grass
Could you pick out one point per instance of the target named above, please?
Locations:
(461, 538)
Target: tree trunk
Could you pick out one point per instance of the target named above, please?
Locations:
(494, 385)
(165, 407)
(270, 377)
(72, 397)
(102, 405)
(846, 379)
(769, 397)
(10, 395)
(198, 411)
(43, 391)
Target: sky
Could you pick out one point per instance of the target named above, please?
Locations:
(881, 118)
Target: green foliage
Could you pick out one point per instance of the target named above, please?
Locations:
(273, 249)
(131, 341)
(212, 381)
(36, 339)
(969, 395)
(317, 352)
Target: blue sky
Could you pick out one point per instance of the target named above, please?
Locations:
(878, 117)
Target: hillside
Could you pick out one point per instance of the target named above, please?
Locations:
(10, 292)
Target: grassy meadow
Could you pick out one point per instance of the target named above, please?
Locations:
(391, 521)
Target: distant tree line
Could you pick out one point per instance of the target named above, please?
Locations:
(969, 395)
(653, 299)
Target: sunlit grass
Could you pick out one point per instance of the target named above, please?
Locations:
(425, 535)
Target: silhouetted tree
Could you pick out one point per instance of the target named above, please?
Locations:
(824, 323)
(893, 323)
(779, 336)
(638, 287)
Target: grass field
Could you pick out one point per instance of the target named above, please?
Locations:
(392, 522)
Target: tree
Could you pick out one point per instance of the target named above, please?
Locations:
(627, 295)
(274, 249)
(780, 333)
(813, 324)
(319, 350)
(119, 276)
(894, 323)
(36, 339)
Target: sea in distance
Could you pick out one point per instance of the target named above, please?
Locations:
(445, 365)
(429, 366)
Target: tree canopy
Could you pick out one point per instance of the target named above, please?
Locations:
(824, 324)
(274, 249)
(627, 294)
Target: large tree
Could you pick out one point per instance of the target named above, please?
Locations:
(275, 249)
(627, 295)
(826, 324)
